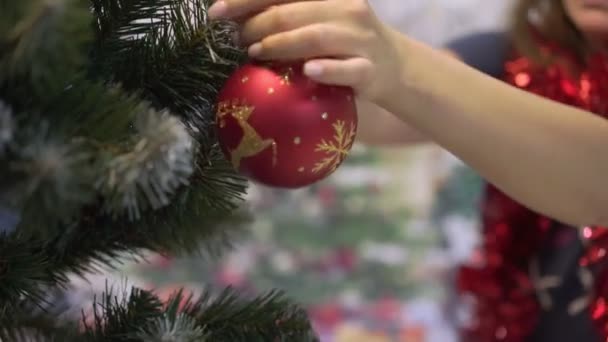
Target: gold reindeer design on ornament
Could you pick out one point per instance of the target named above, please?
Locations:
(251, 143)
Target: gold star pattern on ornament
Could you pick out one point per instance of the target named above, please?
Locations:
(223, 109)
(251, 143)
(286, 76)
(336, 149)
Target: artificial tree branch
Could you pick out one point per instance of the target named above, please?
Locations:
(211, 317)
(29, 264)
(96, 168)
(174, 56)
(43, 43)
(138, 315)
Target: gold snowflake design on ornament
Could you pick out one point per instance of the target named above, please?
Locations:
(336, 149)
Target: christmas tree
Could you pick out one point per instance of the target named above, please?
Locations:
(107, 148)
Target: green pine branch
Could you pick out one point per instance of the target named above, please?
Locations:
(42, 44)
(7, 127)
(119, 316)
(170, 52)
(158, 162)
(108, 148)
(102, 114)
(35, 321)
(221, 317)
(270, 317)
(180, 327)
(14, 334)
(80, 161)
(140, 316)
(59, 164)
(174, 57)
(29, 264)
(82, 140)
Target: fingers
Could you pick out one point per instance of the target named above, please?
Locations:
(317, 40)
(229, 9)
(285, 18)
(346, 72)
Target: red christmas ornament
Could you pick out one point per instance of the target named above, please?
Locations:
(282, 129)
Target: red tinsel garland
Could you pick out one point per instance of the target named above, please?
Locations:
(506, 294)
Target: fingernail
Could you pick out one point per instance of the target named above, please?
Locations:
(255, 50)
(217, 10)
(312, 69)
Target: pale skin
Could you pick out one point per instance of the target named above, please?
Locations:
(550, 157)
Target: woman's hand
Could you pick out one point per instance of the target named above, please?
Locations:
(343, 41)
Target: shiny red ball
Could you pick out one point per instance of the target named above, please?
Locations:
(280, 128)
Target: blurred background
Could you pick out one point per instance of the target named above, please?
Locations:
(370, 251)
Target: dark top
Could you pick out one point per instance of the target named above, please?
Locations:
(488, 52)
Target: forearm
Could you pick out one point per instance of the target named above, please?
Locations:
(378, 127)
(550, 157)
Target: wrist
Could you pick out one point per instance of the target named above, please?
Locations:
(422, 85)
(405, 80)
